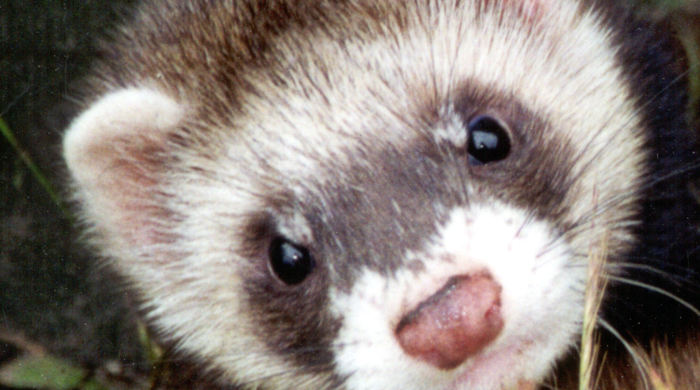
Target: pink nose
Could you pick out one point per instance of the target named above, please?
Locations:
(456, 322)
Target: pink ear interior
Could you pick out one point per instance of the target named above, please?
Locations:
(117, 154)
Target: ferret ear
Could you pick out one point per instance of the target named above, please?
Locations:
(117, 154)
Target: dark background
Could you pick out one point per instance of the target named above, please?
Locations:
(52, 297)
(53, 300)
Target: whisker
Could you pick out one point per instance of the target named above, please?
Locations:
(638, 363)
(656, 290)
(676, 278)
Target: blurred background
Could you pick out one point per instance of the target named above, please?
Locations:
(65, 323)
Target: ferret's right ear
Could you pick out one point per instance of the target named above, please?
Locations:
(117, 153)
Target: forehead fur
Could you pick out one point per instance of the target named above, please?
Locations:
(316, 75)
(371, 74)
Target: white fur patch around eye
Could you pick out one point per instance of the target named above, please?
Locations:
(452, 131)
(541, 305)
(296, 228)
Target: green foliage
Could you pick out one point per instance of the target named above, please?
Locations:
(29, 162)
(46, 372)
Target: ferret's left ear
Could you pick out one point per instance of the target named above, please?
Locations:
(117, 152)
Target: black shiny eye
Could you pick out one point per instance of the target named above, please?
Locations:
(290, 262)
(488, 140)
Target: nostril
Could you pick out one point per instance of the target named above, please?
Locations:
(455, 323)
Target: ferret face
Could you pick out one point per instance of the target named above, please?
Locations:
(388, 197)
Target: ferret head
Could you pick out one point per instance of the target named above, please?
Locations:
(362, 196)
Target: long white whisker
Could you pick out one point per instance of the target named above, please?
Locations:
(656, 290)
(637, 361)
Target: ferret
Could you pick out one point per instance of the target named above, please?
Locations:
(368, 195)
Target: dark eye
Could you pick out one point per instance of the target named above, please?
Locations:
(290, 262)
(488, 140)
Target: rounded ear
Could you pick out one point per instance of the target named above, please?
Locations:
(117, 153)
